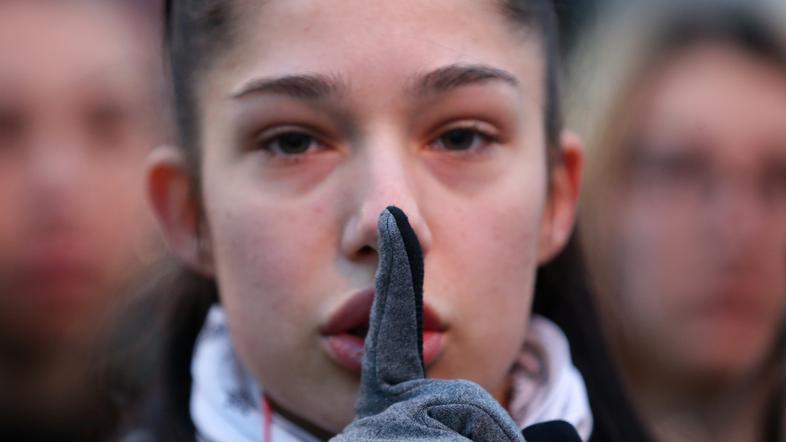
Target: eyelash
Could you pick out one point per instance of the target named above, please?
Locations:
(269, 140)
(481, 135)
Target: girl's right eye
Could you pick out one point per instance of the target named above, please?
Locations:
(289, 143)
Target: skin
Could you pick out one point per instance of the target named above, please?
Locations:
(290, 238)
(700, 244)
(76, 123)
(77, 120)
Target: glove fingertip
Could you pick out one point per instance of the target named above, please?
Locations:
(415, 258)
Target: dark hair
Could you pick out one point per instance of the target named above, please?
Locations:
(196, 32)
(563, 295)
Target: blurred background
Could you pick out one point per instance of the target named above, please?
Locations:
(682, 109)
(682, 106)
(82, 102)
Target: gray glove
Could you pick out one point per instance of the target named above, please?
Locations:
(397, 402)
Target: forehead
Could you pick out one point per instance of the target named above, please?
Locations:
(379, 41)
(61, 44)
(726, 99)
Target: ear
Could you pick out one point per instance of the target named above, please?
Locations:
(175, 203)
(560, 212)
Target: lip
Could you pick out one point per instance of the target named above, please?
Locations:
(344, 344)
(733, 304)
(59, 278)
(51, 270)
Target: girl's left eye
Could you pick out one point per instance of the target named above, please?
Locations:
(462, 140)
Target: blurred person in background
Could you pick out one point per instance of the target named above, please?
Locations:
(684, 112)
(80, 107)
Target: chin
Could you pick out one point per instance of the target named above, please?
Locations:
(727, 367)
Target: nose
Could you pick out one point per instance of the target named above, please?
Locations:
(55, 182)
(382, 175)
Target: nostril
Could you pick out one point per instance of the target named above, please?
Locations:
(365, 255)
(366, 251)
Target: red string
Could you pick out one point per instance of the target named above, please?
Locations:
(267, 420)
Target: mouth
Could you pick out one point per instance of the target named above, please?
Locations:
(734, 306)
(345, 332)
(59, 279)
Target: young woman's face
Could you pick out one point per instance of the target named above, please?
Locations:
(320, 116)
(76, 123)
(701, 250)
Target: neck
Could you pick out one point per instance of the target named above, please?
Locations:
(680, 409)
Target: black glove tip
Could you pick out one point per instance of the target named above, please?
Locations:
(398, 214)
(416, 267)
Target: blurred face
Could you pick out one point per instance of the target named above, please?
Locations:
(321, 116)
(75, 126)
(701, 249)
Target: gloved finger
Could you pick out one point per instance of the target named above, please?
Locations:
(394, 342)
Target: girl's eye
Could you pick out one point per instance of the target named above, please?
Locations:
(290, 144)
(462, 140)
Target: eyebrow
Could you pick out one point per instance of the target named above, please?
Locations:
(303, 86)
(455, 76)
(318, 86)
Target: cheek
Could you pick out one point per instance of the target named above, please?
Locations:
(273, 260)
(114, 218)
(268, 256)
(261, 253)
(652, 251)
(494, 276)
(664, 270)
(492, 238)
(483, 273)
(124, 207)
(497, 244)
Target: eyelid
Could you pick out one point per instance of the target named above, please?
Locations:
(474, 125)
(487, 131)
(265, 137)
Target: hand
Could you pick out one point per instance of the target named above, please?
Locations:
(397, 402)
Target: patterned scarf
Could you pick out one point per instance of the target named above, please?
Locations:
(227, 405)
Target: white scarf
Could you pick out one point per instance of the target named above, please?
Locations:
(227, 405)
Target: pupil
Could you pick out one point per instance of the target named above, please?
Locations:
(460, 139)
(294, 143)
